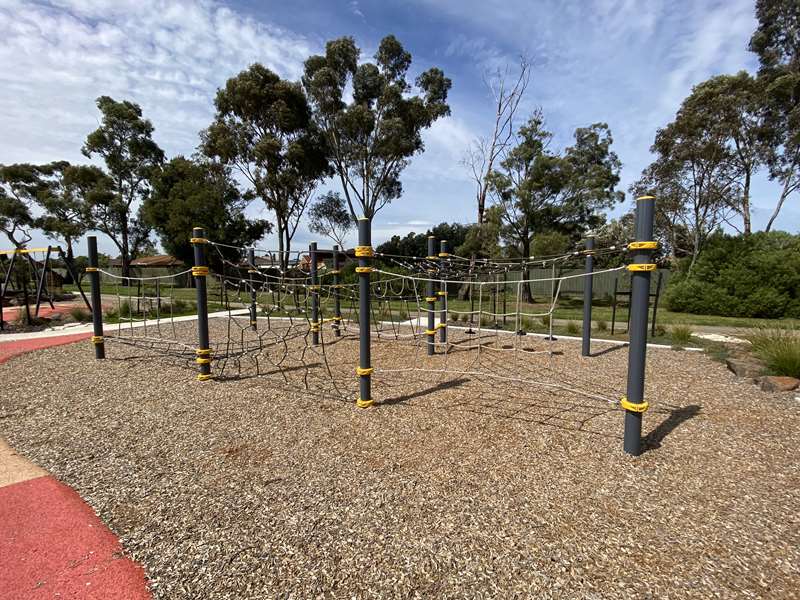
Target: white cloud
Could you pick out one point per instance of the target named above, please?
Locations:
(170, 57)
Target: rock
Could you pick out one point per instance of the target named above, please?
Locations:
(743, 367)
(774, 383)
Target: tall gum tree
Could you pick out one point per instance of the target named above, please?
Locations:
(263, 128)
(124, 141)
(373, 135)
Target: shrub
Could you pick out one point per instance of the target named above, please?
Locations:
(661, 331)
(573, 328)
(741, 276)
(80, 314)
(779, 349)
(464, 317)
(545, 320)
(602, 325)
(681, 335)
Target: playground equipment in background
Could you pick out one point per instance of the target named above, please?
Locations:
(25, 271)
(399, 299)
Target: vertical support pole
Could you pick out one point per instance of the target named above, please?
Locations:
(40, 285)
(4, 286)
(97, 306)
(588, 281)
(655, 303)
(640, 268)
(505, 294)
(315, 320)
(443, 257)
(614, 303)
(200, 272)
(251, 273)
(337, 302)
(364, 371)
(430, 298)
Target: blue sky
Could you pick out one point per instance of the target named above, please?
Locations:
(626, 62)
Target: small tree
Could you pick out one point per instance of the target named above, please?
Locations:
(124, 141)
(373, 136)
(188, 194)
(330, 217)
(263, 128)
(18, 184)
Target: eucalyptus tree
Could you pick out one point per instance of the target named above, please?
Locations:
(329, 216)
(17, 189)
(776, 41)
(373, 134)
(196, 193)
(539, 190)
(125, 142)
(263, 128)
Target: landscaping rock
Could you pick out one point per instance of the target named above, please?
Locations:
(774, 383)
(744, 367)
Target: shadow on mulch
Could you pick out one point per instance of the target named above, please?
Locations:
(607, 350)
(444, 385)
(676, 418)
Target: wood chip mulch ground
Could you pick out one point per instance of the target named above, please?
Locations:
(452, 485)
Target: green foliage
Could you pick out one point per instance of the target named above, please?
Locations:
(124, 141)
(779, 349)
(263, 128)
(80, 314)
(680, 335)
(17, 189)
(741, 276)
(330, 217)
(373, 136)
(545, 320)
(550, 243)
(573, 328)
(416, 244)
(189, 193)
(602, 325)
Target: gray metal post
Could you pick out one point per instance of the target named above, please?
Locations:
(430, 298)
(443, 255)
(252, 272)
(364, 371)
(200, 272)
(588, 281)
(337, 304)
(315, 320)
(97, 304)
(640, 267)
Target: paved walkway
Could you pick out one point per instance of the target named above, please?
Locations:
(52, 545)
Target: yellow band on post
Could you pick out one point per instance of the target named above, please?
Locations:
(441, 293)
(364, 371)
(363, 403)
(642, 267)
(202, 361)
(441, 326)
(643, 246)
(364, 251)
(430, 298)
(199, 271)
(646, 198)
(91, 269)
(434, 257)
(97, 339)
(204, 377)
(363, 269)
(198, 241)
(430, 332)
(444, 254)
(203, 351)
(639, 408)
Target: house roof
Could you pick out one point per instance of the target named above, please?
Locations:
(158, 260)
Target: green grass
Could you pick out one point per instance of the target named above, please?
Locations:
(573, 328)
(602, 325)
(779, 349)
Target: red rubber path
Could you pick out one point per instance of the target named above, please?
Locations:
(52, 545)
(9, 350)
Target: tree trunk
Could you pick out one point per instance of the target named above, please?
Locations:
(527, 296)
(746, 204)
(126, 255)
(784, 193)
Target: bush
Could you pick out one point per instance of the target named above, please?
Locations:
(602, 325)
(741, 276)
(779, 349)
(573, 328)
(545, 320)
(681, 335)
(80, 314)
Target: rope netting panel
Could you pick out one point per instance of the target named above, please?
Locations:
(261, 323)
